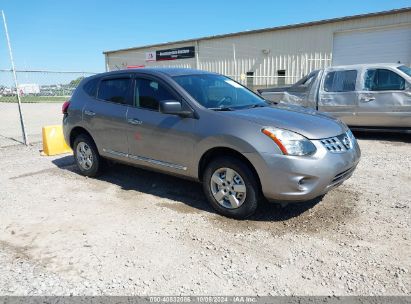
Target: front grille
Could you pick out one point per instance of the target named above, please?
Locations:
(337, 144)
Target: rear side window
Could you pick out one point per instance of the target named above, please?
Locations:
(90, 87)
(116, 90)
(307, 80)
(383, 80)
(340, 81)
(149, 93)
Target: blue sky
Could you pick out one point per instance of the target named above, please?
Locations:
(71, 35)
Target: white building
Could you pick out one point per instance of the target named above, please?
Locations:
(29, 88)
(282, 54)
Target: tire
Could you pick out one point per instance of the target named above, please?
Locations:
(86, 156)
(243, 179)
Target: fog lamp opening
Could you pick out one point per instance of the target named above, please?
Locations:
(302, 183)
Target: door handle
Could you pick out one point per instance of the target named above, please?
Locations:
(134, 121)
(367, 99)
(326, 99)
(89, 113)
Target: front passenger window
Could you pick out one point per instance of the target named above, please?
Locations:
(388, 80)
(149, 93)
(383, 80)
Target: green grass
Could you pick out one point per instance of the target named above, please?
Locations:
(35, 99)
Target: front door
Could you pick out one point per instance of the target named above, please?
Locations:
(337, 95)
(384, 100)
(155, 139)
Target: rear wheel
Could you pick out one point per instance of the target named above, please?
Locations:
(231, 187)
(86, 156)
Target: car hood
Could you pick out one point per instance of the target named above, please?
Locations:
(307, 122)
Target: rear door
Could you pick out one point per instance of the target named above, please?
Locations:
(105, 116)
(337, 94)
(384, 100)
(158, 140)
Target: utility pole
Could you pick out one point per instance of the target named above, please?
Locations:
(23, 130)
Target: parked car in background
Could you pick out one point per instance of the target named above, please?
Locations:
(8, 92)
(209, 128)
(372, 96)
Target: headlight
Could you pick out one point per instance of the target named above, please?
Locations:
(351, 137)
(290, 143)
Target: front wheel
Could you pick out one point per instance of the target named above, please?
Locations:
(231, 187)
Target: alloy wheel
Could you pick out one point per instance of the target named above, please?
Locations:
(228, 188)
(84, 156)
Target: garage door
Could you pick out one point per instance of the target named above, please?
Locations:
(373, 46)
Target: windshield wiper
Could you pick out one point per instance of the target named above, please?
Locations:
(222, 109)
(257, 105)
(270, 102)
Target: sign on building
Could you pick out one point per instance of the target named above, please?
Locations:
(151, 56)
(171, 54)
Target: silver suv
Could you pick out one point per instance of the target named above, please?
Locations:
(207, 127)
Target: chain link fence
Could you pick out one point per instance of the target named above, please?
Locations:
(41, 93)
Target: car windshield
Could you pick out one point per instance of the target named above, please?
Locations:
(405, 70)
(218, 92)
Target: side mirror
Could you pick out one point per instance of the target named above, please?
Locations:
(174, 107)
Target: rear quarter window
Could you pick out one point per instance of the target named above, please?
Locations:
(90, 87)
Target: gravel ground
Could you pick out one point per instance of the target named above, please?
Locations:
(36, 115)
(136, 232)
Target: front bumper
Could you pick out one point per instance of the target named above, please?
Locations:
(297, 178)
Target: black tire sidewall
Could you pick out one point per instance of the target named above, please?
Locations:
(96, 166)
(253, 193)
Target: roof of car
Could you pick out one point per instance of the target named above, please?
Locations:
(367, 65)
(156, 71)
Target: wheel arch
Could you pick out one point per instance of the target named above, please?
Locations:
(76, 131)
(215, 152)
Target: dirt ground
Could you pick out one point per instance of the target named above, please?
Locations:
(136, 232)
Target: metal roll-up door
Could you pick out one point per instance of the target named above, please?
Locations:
(383, 45)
